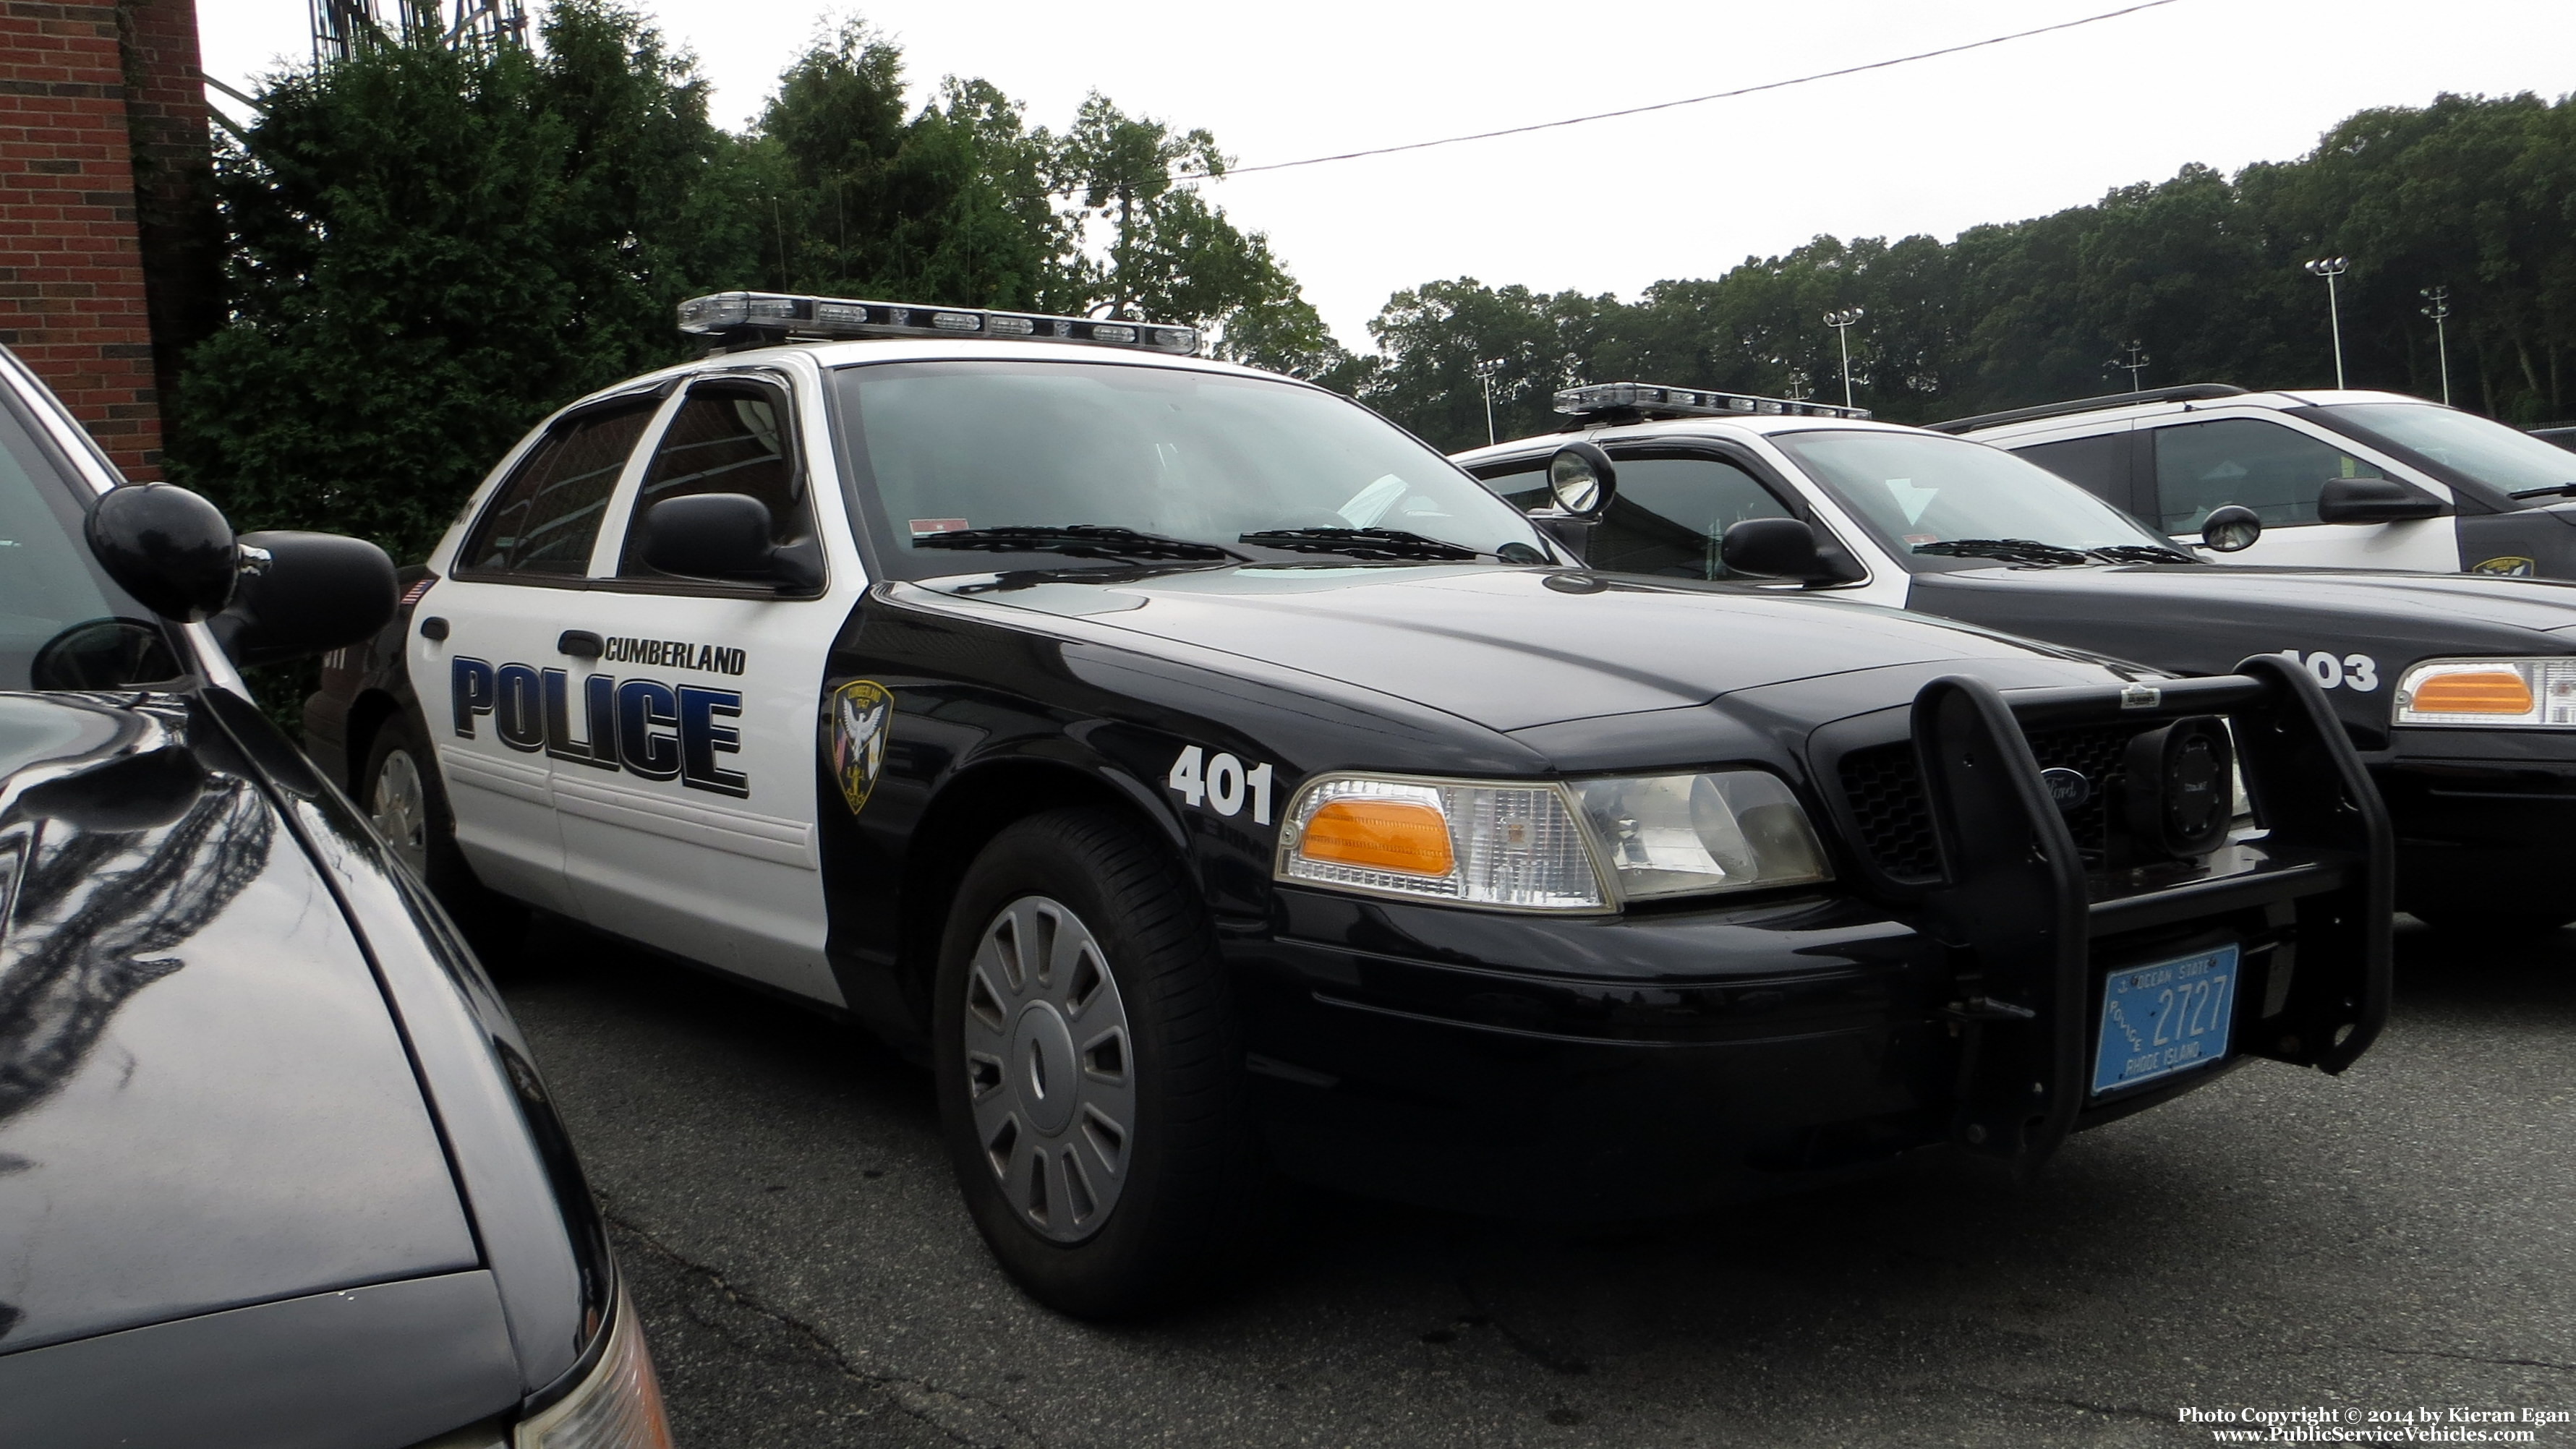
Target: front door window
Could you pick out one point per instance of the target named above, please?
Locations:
(2274, 470)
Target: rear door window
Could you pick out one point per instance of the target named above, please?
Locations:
(730, 436)
(2274, 470)
(544, 520)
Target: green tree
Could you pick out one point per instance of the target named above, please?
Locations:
(2475, 194)
(431, 248)
(1149, 244)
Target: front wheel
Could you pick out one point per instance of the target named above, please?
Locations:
(1090, 1068)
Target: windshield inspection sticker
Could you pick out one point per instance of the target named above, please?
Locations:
(861, 711)
(1221, 784)
(2356, 672)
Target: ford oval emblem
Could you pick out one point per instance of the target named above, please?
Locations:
(2068, 788)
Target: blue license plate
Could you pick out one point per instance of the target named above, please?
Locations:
(2166, 1018)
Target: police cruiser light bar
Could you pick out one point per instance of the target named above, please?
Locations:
(1687, 402)
(773, 316)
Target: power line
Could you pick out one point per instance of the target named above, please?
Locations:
(1697, 100)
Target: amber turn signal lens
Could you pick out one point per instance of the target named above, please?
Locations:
(2487, 691)
(1403, 835)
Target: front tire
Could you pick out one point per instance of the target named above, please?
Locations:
(1090, 1068)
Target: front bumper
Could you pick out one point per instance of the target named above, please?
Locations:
(2483, 818)
(1664, 1060)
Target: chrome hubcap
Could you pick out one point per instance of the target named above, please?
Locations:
(1049, 1068)
(400, 810)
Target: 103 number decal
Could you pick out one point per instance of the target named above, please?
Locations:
(2356, 672)
(1223, 784)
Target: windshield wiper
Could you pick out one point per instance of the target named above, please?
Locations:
(2010, 550)
(2554, 490)
(1077, 540)
(2141, 553)
(1362, 543)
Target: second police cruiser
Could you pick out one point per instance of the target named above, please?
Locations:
(1212, 781)
(2367, 480)
(2459, 690)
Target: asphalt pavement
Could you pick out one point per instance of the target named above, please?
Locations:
(2399, 1239)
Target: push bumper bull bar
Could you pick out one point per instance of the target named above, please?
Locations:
(2026, 918)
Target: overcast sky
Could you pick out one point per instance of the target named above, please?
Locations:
(1994, 135)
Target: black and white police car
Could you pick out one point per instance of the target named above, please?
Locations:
(275, 1169)
(2370, 480)
(2458, 690)
(1213, 780)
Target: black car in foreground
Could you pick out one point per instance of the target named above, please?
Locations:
(274, 1167)
(1208, 779)
(2457, 690)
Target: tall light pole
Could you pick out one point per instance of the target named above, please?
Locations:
(1486, 369)
(1842, 322)
(2136, 362)
(2440, 298)
(2331, 268)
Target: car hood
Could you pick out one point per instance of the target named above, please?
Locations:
(204, 1102)
(1510, 648)
(2227, 590)
(2185, 617)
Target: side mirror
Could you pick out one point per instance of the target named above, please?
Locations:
(2232, 529)
(1583, 481)
(1779, 548)
(725, 536)
(169, 548)
(2374, 500)
(304, 593)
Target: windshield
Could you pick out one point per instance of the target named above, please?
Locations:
(955, 448)
(62, 624)
(2480, 449)
(1919, 491)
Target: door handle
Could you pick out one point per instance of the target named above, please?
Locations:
(433, 628)
(580, 644)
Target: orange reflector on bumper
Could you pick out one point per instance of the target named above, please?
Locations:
(1404, 835)
(2485, 691)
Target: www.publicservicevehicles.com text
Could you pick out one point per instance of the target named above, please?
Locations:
(2421, 1424)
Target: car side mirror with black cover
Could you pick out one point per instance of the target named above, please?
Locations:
(302, 594)
(1784, 548)
(726, 537)
(268, 597)
(2374, 500)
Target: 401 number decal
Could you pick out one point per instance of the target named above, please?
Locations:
(1221, 783)
(2356, 672)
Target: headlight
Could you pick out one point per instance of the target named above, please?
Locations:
(617, 1406)
(1587, 845)
(2507, 692)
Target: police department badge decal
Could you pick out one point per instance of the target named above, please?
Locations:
(861, 712)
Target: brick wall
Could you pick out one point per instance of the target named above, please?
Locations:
(80, 86)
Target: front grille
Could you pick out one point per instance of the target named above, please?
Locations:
(1890, 813)
(1892, 816)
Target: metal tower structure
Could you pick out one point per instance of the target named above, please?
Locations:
(342, 27)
